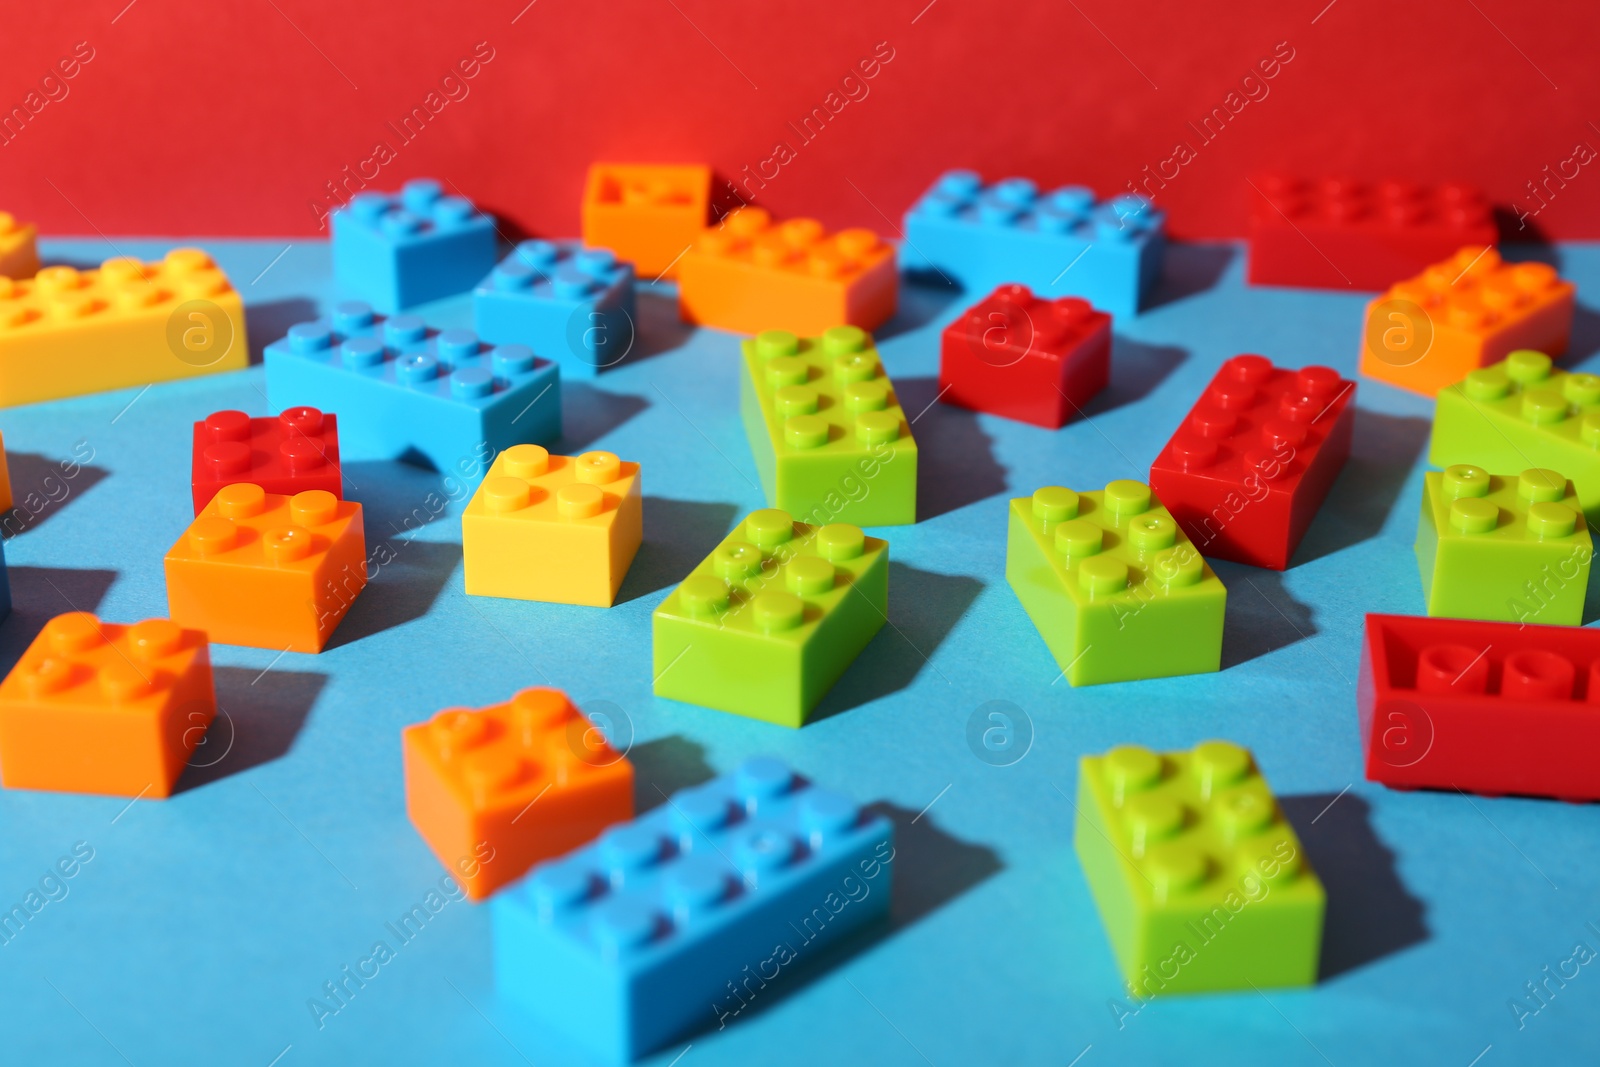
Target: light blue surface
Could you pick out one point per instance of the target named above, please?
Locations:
(398, 250)
(205, 923)
(566, 304)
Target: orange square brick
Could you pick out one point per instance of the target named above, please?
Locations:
(750, 275)
(270, 571)
(1470, 311)
(19, 251)
(496, 790)
(98, 707)
(558, 529)
(647, 213)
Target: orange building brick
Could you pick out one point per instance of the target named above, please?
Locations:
(750, 275)
(19, 250)
(270, 571)
(5, 479)
(1470, 311)
(646, 213)
(495, 791)
(559, 529)
(98, 707)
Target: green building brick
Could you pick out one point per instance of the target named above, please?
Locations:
(830, 441)
(1522, 412)
(1200, 881)
(771, 619)
(1507, 549)
(1114, 586)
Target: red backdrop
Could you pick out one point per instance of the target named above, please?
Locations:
(201, 119)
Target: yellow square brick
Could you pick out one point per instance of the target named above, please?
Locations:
(19, 251)
(558, 529)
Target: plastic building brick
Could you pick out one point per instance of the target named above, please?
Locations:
(98, 707)
(571, 305)
(403, 391)
(284, 454)
(1062, 243)
(19, 252)
(1508, 549)
(397, 250)
(1481, 707)
(1113, 585)
(751, 274)
(496, 790)
(1022, 357)
(771, 619)
(1200, 881)
(67, 332)
(1248, 468)
(5, 480)
(830, 440)
(559, 529)
(270, 571)
(1523, 411)
(1342, 234)
(647, 214)
(1467, 312)
(621, 946)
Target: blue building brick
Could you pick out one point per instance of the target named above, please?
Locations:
(399, 250)
(667, 925)
(567, 303)
(403, 391)
(1063, 243)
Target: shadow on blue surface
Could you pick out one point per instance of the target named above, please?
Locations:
(919, 304)
(39, 594)
(955, 457)
(678, 535)
(1136, 369)
(660, 327)
(1383, 450)
(663, 767)
(1370, 913)
(400, 588)
(267, 322)
(1262, 616)
(589, 413)
(43, 485)
(1188, 270)
(259, 714)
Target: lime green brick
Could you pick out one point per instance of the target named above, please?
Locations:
(1200, 880)
(771, 619)
(1503, 548)
(1523, 412)
(830, 440)
(1113, 585)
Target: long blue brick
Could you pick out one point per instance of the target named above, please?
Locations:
(567, 303)
(668, 924)
(1062, 243)
(397, 250)
(441, 399)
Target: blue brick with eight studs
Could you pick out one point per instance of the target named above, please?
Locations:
(568, 303)
(399, 250)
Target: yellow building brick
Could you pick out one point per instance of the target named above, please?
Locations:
(19, 252)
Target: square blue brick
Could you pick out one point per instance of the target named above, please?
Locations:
(666, 925)
(1063, 243)
(567, 303)
(397, 251)
(403, 391)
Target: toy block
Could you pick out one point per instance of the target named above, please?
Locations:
(771, 619)
(397, 250)
(559, 529)
(621, 946)
(1200, 881)
(67, 332)
(1021, 357)
(441, 399)
(5, 480)
(751, 274)
(1113, 585)
(649, 214)
(1342, 234)
(1503, 548)
(19, 251)
(99, 707)
(1481, 707)
(270, 571)
(830, 440)
(1248, 468)
(570, 304)
(496, 790)
(1062, 243)
(1524, 411)
(1467, 312)
(284, 454)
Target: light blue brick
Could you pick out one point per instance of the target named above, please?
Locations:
(666, 925)
(567, 303)
(398, 250)
(403, 391)
(981, 236)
